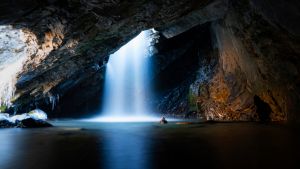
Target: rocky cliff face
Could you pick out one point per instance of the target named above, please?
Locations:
(221, 60)
(256, 72)
(75, 38)
(258, 63)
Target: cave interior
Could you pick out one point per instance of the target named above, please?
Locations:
(224, 69)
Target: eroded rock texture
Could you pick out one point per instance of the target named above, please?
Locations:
(221, 60)
(74, 40)
(249, 70)
(258, 59)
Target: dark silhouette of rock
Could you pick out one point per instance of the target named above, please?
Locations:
(6, 124)
(163, 121)
(32, 123)
(26, 123)
(263, 109)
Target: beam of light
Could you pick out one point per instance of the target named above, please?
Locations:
(13, 54)
(127, 84)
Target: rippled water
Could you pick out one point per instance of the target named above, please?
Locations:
(78, 144)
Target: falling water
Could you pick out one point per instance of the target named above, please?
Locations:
(127, 81)
(13, 54)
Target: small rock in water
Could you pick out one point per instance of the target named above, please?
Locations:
(163, 121)
(33, 123)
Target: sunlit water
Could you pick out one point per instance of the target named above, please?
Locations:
(13, 54)
(127, 84)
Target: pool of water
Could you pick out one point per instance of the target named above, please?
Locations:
(81, 144)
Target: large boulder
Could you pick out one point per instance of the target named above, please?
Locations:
(34, 119)
(32, 123)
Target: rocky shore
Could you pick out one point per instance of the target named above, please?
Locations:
(34, 119)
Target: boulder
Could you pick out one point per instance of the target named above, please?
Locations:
(32, 123)
(6, 124)
(163, 121)
(34, 119)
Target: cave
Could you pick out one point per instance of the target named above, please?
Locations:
(149, 84)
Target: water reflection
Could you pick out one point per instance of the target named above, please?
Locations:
(87, 145)
(126, 147)
(78, 145)
(8, 147)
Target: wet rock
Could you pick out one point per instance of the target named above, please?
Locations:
(163, 121)
(34, 119)
(38, 114)
(4, 121)
(32, 123)
(6, 124)
(25, 123)
(4, 116)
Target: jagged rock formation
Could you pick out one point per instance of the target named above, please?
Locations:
(233, 60)
(257, 59)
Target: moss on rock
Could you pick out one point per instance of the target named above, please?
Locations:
(3, 108)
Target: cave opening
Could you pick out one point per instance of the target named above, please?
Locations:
(92, 95)
(178, 64)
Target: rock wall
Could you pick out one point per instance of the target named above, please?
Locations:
(181, 61)
(257, 73)
(254, 72)
(75, 38)
(221, 60)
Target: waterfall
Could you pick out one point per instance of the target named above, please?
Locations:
(13, 54)
(127, 84)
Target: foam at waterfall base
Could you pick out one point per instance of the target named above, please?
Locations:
(125, 119)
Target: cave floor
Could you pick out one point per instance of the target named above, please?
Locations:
(77, 144)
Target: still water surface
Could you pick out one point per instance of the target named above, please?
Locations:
(78, 144)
